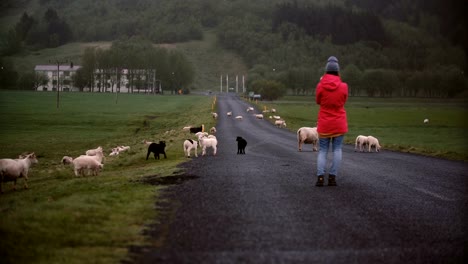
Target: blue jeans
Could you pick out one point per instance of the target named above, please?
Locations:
(336, 143)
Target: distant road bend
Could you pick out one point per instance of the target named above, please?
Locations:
(263, 207)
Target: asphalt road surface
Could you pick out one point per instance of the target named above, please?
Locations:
(263, 207)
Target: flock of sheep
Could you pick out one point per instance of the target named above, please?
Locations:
(93, 161)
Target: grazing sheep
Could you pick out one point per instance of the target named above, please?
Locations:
(373, 142)
(361, 141)
(280, 123)
(259, 116)
(197, 129)
(67, 160)
(239, 117)
(277, 117)
(84, 165)
(147, 143)
(189, 145)
(215, 115)
(250, 109)
(426, 121)
(98, 156)
(229, 113)
(213, 130)
(13, 169)
(208, 142)
(116, 151)
(241, 144)
(157, 149)
(273, 110)
(93, 152)
(307, 135)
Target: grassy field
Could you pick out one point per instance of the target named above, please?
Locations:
(396, 122)
(62, 218)
(65, 219)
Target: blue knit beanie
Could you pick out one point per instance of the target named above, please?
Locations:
(332, 65)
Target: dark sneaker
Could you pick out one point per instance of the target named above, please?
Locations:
(320, 181)
(331, 180)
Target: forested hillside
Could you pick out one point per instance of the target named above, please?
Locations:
(385, 48)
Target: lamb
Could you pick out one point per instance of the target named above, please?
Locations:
(361, 141)
(147, 143)
(197, 129)
(250, 109)
(84, 165)
(426, 121)
(116, 151)
(277, 117)
(93, 152)
(98, 156)
(213, 130)
(280, 123)
(67, 160)
(13, 169)
(189, 145)
(259, 116)
(229, 113)
(157, 149)
(307, 135)
(241, 144)
(373, 142)
(215, 115)
(239, 117)
(208, 142)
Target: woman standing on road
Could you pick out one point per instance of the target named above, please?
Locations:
(331, 94)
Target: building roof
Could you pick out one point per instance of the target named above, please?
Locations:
(54, 67)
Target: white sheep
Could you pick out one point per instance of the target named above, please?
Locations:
(277, 117)
(189, 145)
(13, 169)
(280, 123)
(146, 142)
(229, 113)
(93, 152)
(250, 109)
(67, 160)
(208, 142)
(213, 130)
(215, 115)
(307, 135)
(84, 165)
(259, 116)
(361, 141)
(426, 121)
(239, 117)
(99, 156)
(273, 110)
(373, 142)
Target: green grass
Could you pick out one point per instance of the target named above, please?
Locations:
(62, 218)
(396, 122)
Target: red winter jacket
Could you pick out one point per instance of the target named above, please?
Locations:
(331, 94)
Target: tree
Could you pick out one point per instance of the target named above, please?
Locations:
(269, 89)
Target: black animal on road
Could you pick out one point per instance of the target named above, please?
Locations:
(241, 144)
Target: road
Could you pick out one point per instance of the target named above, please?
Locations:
(263, 207)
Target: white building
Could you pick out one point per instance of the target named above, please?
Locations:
(105, 80)
(65, 77)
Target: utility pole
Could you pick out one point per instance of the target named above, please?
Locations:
(58, 62)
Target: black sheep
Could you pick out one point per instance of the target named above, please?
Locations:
(241, 144)
(157, 149)
(195, 130)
